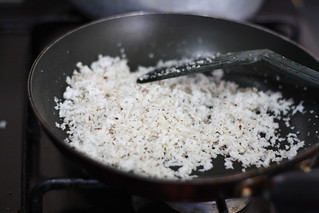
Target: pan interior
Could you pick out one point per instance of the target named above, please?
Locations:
(146, 39)
(305, 125)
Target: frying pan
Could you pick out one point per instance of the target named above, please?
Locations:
(174, 36)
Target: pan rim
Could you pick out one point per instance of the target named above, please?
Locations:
(196, 181)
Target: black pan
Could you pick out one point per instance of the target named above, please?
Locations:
(173, 36)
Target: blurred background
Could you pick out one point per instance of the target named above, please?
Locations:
(27, 26)
(298, 16)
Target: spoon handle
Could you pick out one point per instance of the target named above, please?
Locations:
(280, 63)
(289, 67)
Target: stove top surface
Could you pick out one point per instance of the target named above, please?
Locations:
(27, 156)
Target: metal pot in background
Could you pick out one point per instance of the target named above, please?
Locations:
(229, 9)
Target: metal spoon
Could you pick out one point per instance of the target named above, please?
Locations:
(267, 56)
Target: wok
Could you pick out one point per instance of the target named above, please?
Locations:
(174, 36)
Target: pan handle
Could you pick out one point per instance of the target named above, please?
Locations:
(293, 191)
(296, 192)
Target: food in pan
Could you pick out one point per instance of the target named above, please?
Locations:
(170, 128)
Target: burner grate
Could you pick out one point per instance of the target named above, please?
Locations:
(38, 191)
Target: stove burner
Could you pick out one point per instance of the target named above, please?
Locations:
(233, 205)
(139, 204)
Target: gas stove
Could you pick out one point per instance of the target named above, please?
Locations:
(35, 176)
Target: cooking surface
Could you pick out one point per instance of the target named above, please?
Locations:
(28, 157)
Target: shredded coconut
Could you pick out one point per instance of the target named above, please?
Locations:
(182, 122)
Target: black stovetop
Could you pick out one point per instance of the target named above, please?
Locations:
(27, 156)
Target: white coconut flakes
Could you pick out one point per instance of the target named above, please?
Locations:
(182, 122)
